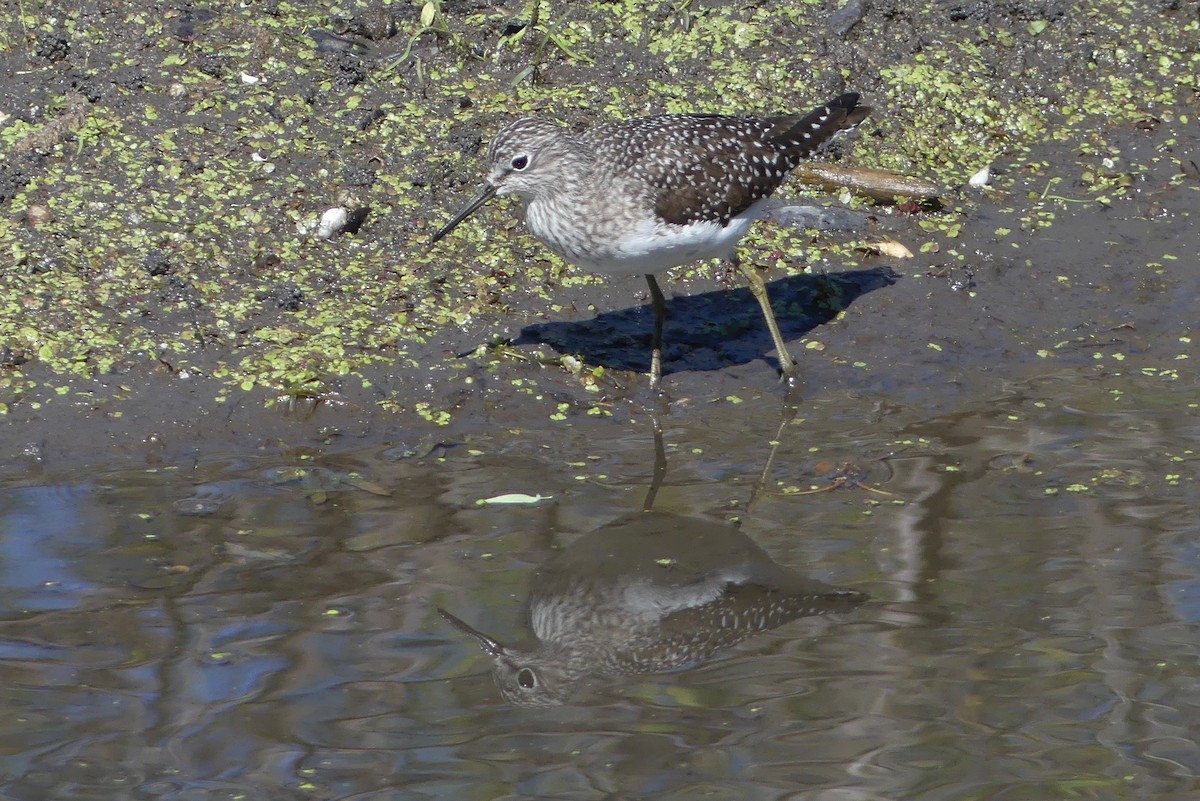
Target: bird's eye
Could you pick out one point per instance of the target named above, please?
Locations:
(526, 678)
(520, 162)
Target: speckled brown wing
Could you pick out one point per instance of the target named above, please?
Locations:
(691, 635)
(711, 168)
(738, 168)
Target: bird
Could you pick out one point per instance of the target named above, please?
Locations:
(651, 193)
(646, 593)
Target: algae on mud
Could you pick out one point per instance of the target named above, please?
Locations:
(173, 157)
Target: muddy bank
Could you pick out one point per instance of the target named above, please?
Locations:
(167, 289)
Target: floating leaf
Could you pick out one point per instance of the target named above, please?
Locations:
(514, 498)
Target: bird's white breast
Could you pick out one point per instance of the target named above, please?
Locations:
(633, 245)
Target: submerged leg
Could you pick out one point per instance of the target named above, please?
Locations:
(660, 313)
(760, 294)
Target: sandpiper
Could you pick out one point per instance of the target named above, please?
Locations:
(652, 193)
(647, 593)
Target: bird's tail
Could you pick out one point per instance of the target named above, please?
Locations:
(801, 137)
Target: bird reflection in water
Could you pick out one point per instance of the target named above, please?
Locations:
(647, 593)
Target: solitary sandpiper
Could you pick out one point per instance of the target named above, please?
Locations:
(648, 593)
(649, 194)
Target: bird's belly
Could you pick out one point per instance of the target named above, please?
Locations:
(636, 247)
(660, 247)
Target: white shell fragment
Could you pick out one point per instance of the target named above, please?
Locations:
(980, 179)
(333, 221)
(892, 249)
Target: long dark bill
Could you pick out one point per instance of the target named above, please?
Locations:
(490, 647)
(485, 194)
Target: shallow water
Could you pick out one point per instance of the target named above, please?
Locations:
(266, 628)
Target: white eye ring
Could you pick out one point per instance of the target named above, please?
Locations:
(520, 162)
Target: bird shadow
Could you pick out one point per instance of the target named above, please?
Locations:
(711, 330)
